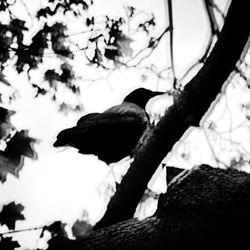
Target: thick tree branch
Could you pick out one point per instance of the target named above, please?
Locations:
(204, 208)
(192, 104)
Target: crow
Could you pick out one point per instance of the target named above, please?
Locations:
(112, 134)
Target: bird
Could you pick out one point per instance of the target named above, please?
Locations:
(113, 134)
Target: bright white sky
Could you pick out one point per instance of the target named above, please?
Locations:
(61, 183)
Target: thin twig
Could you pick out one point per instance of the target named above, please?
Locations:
(211, 16)
(171, 29)
(211, 148)
(28, 12)
(156, 42)
(21, 230)
(201, 60)
(215, 6)
(214, 33)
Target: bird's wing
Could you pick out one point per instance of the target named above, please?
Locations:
(120, 114)
(124, 115)
(126, 110)
(87, 117)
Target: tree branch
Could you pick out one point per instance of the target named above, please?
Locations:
(189, 109)
(204, 208)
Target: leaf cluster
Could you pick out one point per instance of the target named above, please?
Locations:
(12, 212)
(106, 44)
(15, 146)
(55, 6)
(9, 215)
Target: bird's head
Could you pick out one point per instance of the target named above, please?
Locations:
(141, 96)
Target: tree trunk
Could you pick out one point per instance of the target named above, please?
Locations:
(190, 107)
(204, 208)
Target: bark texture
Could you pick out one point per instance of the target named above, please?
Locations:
(204, 208)
(191, 106)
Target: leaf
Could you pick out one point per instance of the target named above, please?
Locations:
(64, 107)
(58, 37)
(39, 90)
(90, 21)
(57, 30)
(25, 57)
(5, 129)
(17, 27)
(5, 125)
(21, 144)
(39, 42)
(67, 73)
(7, 243)
(51, 76)
(65, 6)
(5, 114)
(237, 162)
(78, 108)
(59, 243)
(145, 26)
(10, 214)
(3, 79)
(6, 38)
(9, 165)
(60, 49)
(44, 12)
(3, 176)
(75, 89)
(18, 24)
(57, 228)
(80, 228)
(4, 5)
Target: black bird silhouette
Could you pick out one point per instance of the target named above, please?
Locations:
(113, 134)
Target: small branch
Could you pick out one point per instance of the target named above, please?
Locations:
(214, 33)
(22, 230)
(201, 60)
(156, 42)
(82, 32)
(28, 12)
(212, 149)
(211, 16)
(171, 29)
(215, 6)
(242, 74)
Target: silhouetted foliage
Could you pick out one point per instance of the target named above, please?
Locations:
(11, 213)
(7, 243)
